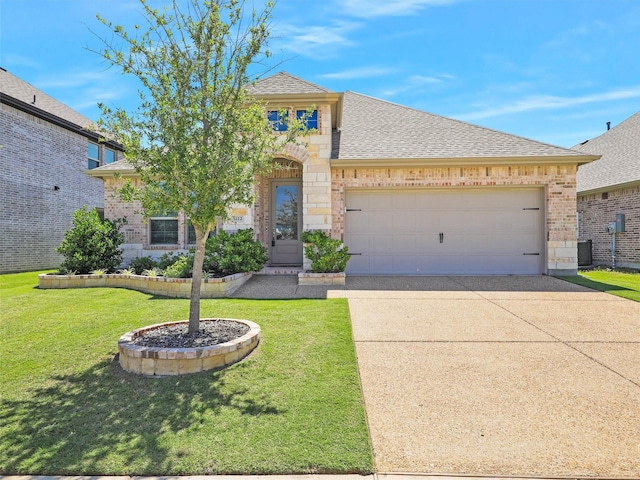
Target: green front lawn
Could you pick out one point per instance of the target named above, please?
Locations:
(67, 408)
(626, 285)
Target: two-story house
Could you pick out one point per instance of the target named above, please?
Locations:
(45, 148)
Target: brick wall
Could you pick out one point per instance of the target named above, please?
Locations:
(559, 183)
(596, 211)
(35, 157)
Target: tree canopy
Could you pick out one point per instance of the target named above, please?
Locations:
(198, 138)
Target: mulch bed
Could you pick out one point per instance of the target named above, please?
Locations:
(212, 332)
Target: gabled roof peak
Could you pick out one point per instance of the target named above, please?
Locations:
(283, 83)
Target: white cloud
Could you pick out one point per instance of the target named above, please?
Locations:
(313, 41)
(82, 90)
(396, 8)
(416, 82)
(75, 79)
(550, 102)
(12, 60)
(363, 72)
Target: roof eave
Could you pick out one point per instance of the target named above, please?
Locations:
(122, 173)
(298, 98)
(54, 119)
(609, 188)
(463, 161)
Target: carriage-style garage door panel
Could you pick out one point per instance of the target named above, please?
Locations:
(449, 231)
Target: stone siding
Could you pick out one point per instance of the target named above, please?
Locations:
(596, 211)
(36, 157)
(559, 183)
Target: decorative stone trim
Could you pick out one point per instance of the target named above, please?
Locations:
(310, 278)
(154, 361)
(164, 286)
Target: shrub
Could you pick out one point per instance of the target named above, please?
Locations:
(140, 264)
(227, 254)
(181, 268)
(153, 272)
(168, 259)
(91, 244)
(327, 255)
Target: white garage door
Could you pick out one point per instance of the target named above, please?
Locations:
(474, 231)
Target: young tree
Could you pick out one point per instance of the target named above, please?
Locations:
(197, 139)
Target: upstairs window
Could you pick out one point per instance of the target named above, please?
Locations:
(109, 156)
(311, 119)
(93, 155)
(278, 120)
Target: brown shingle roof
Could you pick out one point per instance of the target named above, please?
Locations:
(620, 162)
(377, 129)
(18, 89)
(284, 83)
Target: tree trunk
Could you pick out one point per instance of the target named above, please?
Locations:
(196, 280)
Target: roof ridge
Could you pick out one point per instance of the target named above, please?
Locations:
(284, 82)
(615, 129)
(284, 72)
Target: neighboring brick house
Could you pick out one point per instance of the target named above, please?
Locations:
(409, 192)
(44, 153)
(611, 186)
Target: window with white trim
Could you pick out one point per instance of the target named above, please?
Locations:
(93, 155)
(109, 156)
(163, 229)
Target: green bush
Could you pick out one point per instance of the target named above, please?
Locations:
(327, 255)
(168, 259)
(140, 264)
(227, 254)
(181, 268)
(91, 244)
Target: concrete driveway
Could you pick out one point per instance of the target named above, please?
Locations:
(498, 375)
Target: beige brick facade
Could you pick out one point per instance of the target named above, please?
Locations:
(324, 186)
(557, 181)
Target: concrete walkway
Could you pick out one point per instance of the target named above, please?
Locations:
(514, 376)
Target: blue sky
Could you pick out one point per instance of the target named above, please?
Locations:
(551, 70)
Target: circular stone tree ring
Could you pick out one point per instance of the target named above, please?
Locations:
(164, 361)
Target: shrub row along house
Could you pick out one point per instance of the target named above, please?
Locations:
(45, 149)
(407, 191)
(610, 187)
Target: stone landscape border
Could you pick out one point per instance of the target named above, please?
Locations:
(156, 361)
(164, 286)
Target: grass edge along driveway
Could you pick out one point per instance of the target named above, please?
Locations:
(67, 408)
(621, 284)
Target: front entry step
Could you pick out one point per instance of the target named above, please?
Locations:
(284, 270)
